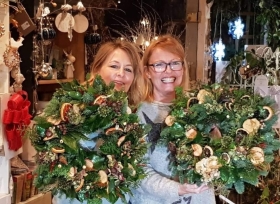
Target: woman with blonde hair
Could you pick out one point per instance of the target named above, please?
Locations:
(119, 62)
(164, 69)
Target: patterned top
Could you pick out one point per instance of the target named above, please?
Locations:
(158, 187)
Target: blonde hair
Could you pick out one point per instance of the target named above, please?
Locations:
(135, 92)
(172, 45)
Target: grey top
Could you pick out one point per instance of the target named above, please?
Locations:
(158, 187)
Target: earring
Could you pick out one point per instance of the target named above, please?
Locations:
(2, 30)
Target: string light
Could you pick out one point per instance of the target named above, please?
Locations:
(218, 50)
(145, 22)
(236, 28)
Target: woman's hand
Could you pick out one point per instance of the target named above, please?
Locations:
(191, 188)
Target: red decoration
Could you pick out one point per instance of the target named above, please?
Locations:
(16, 118)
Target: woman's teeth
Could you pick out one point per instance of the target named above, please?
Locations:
(168, 80)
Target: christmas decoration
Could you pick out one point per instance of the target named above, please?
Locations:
(16, 118)
(89, 145)
(92, 38)
(218, 50)
(69, 67)
(2, 30)
(236, 28)
(221, 136)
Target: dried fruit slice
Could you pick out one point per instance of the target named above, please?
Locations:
(241, 133)
(197, 150)
(103, 181)
(99, 100)
(169, 120)
(72, 172)
(64, 110)
(208, 151)
(80, 186)
(58, 150)
(191, 101)
(53, 121)
(228, 105)
(226, 157)
(251, 125)
(270, 112)
(89, 165)
(191, 134)
(245, 97)
(202, 94)
(120, 140)
(132, 171)
(112, 130)
(49, 138)
(256, 155)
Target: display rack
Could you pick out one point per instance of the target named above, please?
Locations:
(6, 154)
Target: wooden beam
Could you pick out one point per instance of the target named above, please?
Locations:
(191, 38)
(196, 39)
(202, 60)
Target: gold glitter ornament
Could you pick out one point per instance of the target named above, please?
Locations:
(45, 70)
(2, 30)
(11, 58)
(11, 55)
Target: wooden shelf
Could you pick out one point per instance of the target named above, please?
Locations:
(39, 198)
(53, 81)
(5, 198)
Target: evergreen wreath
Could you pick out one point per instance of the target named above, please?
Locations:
(220, 136)
(90, 146)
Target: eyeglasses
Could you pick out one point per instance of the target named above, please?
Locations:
(162, 66)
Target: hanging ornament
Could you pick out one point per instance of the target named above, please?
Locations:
(45, 70)
(92, 38)
(81, 22)
(80, 7)
(53, 3)
(11, 55)
(46, 11)
(218, 50)
(65, 21)
(2, 30)
(236, 28)
(45, 29)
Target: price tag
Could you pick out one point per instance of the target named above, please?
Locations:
(261, 85)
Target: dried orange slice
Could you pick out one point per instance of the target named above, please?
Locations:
(112, 130)
(191, 101)
(58, 150)
(64, 110)
(103, 179)
(251, 125)
(169, 120)
(53, 121)
(270, 112)
(202, 94)
(99, 100)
